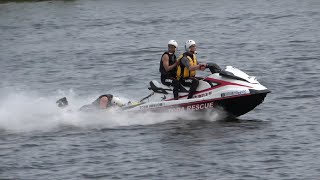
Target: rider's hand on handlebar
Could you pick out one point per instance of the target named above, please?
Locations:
(202, 66)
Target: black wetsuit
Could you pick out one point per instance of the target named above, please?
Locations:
(169, 77)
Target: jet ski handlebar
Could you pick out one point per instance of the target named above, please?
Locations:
(214, 68)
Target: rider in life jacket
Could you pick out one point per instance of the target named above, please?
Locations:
(168, 68)
(102, 102)
(186, 71)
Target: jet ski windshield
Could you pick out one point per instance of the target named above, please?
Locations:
(231, 75)
(234, 73)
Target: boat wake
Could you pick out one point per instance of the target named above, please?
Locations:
(27, 112)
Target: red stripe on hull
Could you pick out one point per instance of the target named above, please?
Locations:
(221, 83)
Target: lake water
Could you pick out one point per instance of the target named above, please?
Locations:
(81, 49)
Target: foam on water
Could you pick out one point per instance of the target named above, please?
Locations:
(23, 111)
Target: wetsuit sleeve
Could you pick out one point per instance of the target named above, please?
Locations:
(185, 62)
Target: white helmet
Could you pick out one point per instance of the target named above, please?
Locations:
(188, 44)
(173, 42)
(117, 101)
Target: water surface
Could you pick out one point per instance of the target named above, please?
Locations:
(81, 49)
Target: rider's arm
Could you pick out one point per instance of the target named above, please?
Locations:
(186, 63)
(165, 60)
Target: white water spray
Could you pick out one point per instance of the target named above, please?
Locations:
(25, 112)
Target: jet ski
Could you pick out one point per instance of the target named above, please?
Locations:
(229, 89)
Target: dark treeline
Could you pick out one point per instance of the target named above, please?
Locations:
(18, 1)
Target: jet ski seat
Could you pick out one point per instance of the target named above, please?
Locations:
(161, 88)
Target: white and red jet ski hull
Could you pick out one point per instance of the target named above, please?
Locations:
(231, 90)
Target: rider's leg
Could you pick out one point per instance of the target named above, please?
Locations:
(170, 81)
(193, 83)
